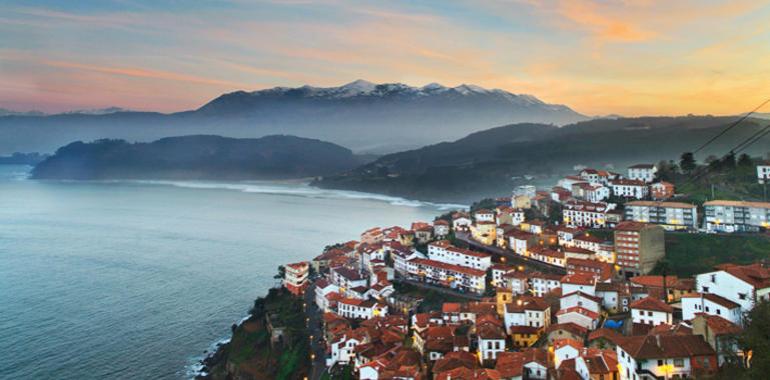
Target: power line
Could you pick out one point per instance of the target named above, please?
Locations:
(731, 126)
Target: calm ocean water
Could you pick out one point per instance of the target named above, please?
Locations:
(128, 280)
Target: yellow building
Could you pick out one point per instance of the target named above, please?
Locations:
(524, 336)
(484, 232)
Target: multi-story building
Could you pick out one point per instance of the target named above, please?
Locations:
(711, 304)
(670, 215)
(586, 214)
(353, 308)
(295, 277)
(651, 311)
(736, 216)
(629, 188)
(742, 284)
(643, 172)
(638, 247)
(447, 275)
(447, 253)
(665, 357)
(484, 215)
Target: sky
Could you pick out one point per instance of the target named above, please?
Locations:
(599, 57)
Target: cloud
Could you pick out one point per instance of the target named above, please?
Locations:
(142, 73)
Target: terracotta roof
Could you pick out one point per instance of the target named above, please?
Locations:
(630, 225)
(754, 274)
(524, 330)
(583, 295)
(665, 346)
(559, 343)
(609, 334)
(654, 304)
(468, 374)
(737, 204)
(456, 359)
(719, 300)
(579, 310)
(661, 204)
(449, 267)
(719, 325)
(579, 279)
(654, 281)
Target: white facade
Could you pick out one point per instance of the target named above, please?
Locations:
(645, 173)
(666, 368)
(650, 317)
(484, 216)
(489, 348)
(543, 285)
(695, 304)
(446, 253)
(629, 189)
(357, 309)
(578, 299)
(670, 215)
(730, 287)
(736, 216)
(763, 173)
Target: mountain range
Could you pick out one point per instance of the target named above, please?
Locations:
(363, 116)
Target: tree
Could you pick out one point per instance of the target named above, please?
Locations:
(281, 272)
(756, 337)
(745, 160)
(687, 162)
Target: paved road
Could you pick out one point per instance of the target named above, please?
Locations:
(440, 289)
(510, 256)
(314, 316)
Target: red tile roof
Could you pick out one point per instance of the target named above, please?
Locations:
(653, 304)
(666, 346)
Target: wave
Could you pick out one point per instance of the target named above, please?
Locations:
(302, 190)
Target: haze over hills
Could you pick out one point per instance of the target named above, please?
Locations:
(361, 115)
(197, 157)
(488, 162)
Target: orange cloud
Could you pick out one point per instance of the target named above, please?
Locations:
(142, 73)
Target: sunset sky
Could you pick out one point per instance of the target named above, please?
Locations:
(598, 57)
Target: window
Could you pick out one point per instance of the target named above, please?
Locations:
(679, 363)
(660, 363)
(742, 296)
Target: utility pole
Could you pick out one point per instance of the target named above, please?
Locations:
(712, 192)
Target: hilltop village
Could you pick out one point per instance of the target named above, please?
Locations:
(540, 285)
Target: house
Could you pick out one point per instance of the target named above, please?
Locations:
(547, 255)
(423, 232)
(461, 221)
(665, 356)
(560, 194)
(440, 228)
(587, 241)
(670, 215)
(498, 272)
(524, 336)
(742, 284)
(447, 275)
(565, 331)
(484, 232)
(509, 215)
(662, 190)
(530, 363)
(527, 311)
(372, 236)
(721, 335)
(491, 338)
(711, 304)
(543, 283)
(736, 216)
(445, 252)
(673, 291)
(629, 188)
(347, 278)
(615, 297)
(401, 257)
(580, 299)
(578, 282)
(342, 348)
(353, 308)
(638, 247)
(565, 234)
(604, 338)
(602, 271)
(520, 241)
(484, 215)
(295, 277)
(322, 291)
(591, 192)
(517, 282)
(763, 173)
(578, 213)
(597, 365)
(651, 311)
(461, 373)
(565, 349)
(579, 316)
(643, 172)
(571, 253)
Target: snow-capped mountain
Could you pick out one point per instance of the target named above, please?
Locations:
(360, 115)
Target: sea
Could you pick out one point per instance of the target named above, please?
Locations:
(139, 279)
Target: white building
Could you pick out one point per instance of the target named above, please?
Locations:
(580, 299)
(643, 172)
(543, 283)
(527, 311)
(461, 222)
(353, 308)
(763, 173)
(491, 341)
(402, 256)
(484, 215)
(579, 316)
(736, 216)
(742, 284)
(651, 311)
(711, 304)
(662, 356)
(630, 188)
(586, 214)
(444, 252)
(670, 215)
(295, 277)
(447, 275)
